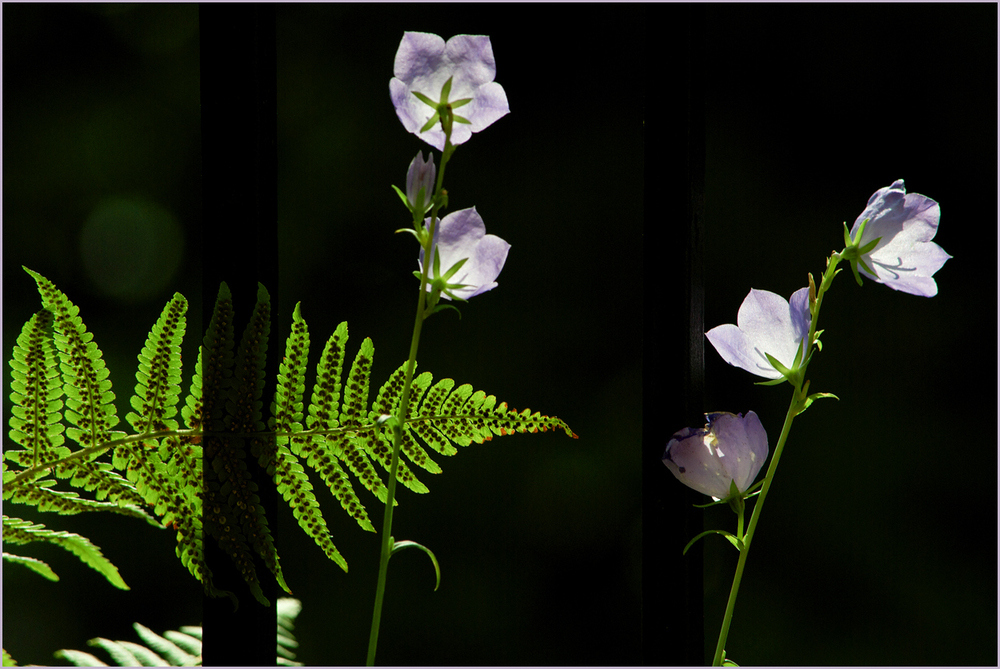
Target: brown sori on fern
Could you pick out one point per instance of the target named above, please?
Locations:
(61, 388)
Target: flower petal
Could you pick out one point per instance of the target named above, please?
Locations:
(905, 258)
(424, 62)
(460, 235)
(730, 448)
(766, 324)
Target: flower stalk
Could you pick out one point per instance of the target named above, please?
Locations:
(404, 403)
(800, 401)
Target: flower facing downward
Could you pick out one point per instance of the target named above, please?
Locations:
(425, 63)
(461, 235)
(730, 448)
(905, 258)
(766, 323)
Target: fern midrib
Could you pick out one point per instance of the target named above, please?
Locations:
(82, 453)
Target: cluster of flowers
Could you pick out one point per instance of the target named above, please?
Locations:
(459, 73)
(889, 243)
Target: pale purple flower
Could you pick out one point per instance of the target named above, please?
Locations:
(766, 323)
(462, 234)
(730, 448)
(420, 175)
(905, 259)
(424, 62)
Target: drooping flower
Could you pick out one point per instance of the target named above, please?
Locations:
(425, 62)
(730, 448)
(766, 323)
(420, 175)
(905, 258)
(462, 235)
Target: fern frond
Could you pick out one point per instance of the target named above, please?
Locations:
(18, 532)
(36, 391)
(292, 482)
(233, 513)
(31, 563)
(67, 502)
(344, 429)
(179, 648)
(174, 655)
(157, 388)
(89, 399)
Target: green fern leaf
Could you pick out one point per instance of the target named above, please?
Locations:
(157, 390)
(440, 416)
(233, 513)
(89, 403)
(18, 532)
(67, 502)
(35, 565)
(37, 395)
(89, 399)
(8, 661)
(78, 658)
(178, 648)
(174, 655)
(292, 482)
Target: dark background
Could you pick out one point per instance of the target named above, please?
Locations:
(878, 543)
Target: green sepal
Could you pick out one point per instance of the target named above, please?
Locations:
(430, 103)
(402, 196)
(446, 90)
(733, 539)
(400, 545)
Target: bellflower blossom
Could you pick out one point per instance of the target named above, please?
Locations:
(905, 258)
(730, 448)
(425, 62)
(462, 235)
(766, 323)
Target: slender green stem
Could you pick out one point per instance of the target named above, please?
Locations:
(754, 518)
(404, 404)
(794, 408)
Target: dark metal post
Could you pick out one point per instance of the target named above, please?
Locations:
(239, 237)
(673, 347)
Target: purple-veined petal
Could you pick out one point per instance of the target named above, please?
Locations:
(424, 62)
(905, 258)
(766, 323)
(462, 234)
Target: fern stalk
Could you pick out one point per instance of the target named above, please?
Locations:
(404, 404)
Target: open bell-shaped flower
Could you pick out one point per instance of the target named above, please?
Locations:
(461, 236)
(730, 449)
(766, 324)
(458, 73)
(904, 258)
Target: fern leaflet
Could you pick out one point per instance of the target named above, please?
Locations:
(61, 389)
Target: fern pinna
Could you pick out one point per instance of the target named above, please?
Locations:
(61, 388)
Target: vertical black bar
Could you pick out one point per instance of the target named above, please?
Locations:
(673, 347)
(239, 237)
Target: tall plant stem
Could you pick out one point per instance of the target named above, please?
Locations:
(754, 518)
(404, 403)
(795, 407)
